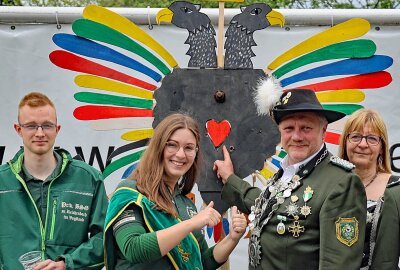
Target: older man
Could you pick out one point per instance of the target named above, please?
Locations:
(312, 213)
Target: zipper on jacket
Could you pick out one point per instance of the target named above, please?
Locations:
(53, 219)
(63, 166)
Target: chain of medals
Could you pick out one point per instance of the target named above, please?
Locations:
(373, 219)
(279, 191)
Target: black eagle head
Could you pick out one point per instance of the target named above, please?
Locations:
(256, 17)
(184, 15)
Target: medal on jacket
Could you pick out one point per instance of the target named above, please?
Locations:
(296, 228)
(305, 210)
(292, 209)
(254, 251)
(270, 195)
(280, 228)
(274, 196)
(308, 193)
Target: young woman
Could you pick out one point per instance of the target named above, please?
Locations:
(364, 143)
(150, 223)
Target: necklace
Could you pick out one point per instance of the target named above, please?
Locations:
(372, 180)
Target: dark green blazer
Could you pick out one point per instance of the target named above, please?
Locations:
(387, 247)
(338, 194)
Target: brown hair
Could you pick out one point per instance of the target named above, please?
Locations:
(150, 172)
(34, 100)
(356, 122)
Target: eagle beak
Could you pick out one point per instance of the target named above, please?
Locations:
(164, 15)
(275, 18)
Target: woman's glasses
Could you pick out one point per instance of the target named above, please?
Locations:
(189, 149)
(370, 139)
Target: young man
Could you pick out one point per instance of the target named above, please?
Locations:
(48, 201)
(312, 213)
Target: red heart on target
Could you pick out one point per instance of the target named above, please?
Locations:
(218, 131)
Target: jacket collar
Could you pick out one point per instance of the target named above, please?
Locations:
(306, 169)
(17, 161)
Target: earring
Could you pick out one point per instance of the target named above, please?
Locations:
(380, 160)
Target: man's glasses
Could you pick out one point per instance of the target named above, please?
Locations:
(357, 138)
(35, 127)
(189, 149)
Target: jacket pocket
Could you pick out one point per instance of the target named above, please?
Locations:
(69, 211)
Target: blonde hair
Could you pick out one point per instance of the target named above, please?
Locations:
(356, 122)
(150, 172)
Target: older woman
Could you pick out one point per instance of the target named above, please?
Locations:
(364, 142)
(150, 223)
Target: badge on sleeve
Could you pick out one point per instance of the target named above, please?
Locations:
(347, 230)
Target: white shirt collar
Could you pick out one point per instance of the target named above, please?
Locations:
(290, 170)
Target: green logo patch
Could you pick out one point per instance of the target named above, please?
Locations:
(347, 230)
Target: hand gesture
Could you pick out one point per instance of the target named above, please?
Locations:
(207, 217)
(224, 168)
(50, 265)
(238, 224)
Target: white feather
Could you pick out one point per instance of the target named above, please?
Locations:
(267, 94)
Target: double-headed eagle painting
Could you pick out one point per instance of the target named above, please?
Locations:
(128, 81)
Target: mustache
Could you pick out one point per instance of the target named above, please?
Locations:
(298, 144)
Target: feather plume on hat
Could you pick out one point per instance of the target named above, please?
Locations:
(267, 94)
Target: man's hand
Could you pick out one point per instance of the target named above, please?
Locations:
(224, 168)
(50, 265)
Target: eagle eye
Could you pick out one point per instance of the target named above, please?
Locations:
(256, 11)
(186, 10)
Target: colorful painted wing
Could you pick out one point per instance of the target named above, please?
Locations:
(121, 65)
(271, 165)
(338, 66)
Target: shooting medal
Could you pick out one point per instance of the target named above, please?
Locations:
(296, 228)
(280, 199)
(308, 193)
(305, 210)
(292, 209)
(273, 190)
(280, 228)
(254, 251)
(287, 193)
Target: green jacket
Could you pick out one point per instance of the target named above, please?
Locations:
(73, 227)
(337, 193)
(186, 209)
(387, 248)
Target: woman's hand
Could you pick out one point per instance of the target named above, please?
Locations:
(238, 224)
(207, 217)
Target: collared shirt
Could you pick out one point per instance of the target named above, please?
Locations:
(39, 188)
(290, 170)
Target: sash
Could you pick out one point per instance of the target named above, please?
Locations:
(184, 256)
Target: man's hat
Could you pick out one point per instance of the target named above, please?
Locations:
(302, 100)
